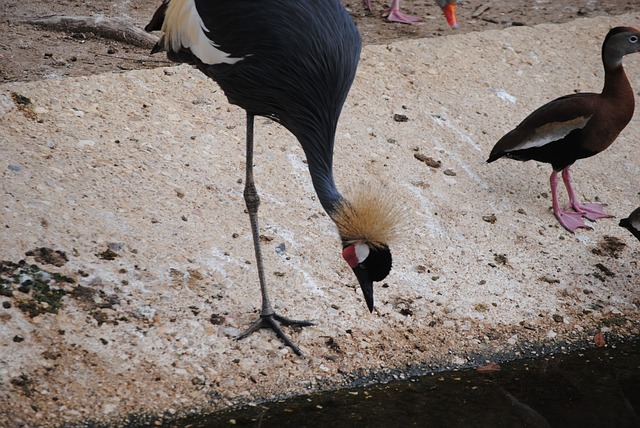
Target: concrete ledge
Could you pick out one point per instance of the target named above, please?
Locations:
(134, 177)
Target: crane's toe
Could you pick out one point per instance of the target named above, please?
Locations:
(273, 321)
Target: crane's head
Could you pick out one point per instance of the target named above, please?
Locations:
(366, 223)
(370, 264)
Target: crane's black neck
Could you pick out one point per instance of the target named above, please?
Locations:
(327, 192)
(320, 163)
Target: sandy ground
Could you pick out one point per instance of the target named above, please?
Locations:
(135, 179)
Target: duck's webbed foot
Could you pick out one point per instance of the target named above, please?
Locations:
(571, 220)
(397, 16)
(592, 211)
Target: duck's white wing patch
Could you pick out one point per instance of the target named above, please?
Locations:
(183, 27)
(552, 132)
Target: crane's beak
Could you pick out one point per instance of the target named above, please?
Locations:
(450, 13)
(365, 284)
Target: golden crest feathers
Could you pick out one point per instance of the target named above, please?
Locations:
(366, 216)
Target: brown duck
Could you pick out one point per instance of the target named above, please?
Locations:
(577, 126)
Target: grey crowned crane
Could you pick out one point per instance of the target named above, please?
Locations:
(577, 126)
(292, 61)
(393, 13)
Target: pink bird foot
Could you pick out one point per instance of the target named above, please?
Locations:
(589, 211)
(571, 220)
(592, 211)
(397, 16)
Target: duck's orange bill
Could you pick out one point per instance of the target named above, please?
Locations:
(450, 13)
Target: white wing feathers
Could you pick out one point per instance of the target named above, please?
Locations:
(183, 27)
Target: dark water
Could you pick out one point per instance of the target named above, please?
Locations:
(590, 388)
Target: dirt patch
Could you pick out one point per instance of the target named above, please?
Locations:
(609, 246)
(35, 291)
(29, 52)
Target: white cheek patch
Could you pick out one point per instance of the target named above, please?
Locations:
(362, 251)
(552, 132)
(183, 27)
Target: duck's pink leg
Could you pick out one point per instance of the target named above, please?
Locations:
(568, 219)
(367, 4)
(394, 14)
(589, 211)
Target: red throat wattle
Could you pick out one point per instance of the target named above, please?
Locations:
(349, 254)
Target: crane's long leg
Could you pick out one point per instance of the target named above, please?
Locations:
(590, 211)
(268, 317)
(568, 219)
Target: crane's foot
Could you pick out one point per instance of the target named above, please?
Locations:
(571, 220)
(273, 322)
(397, 16)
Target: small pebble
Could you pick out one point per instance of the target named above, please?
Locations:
(490, 218)
(204, 101)
(428, 160)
